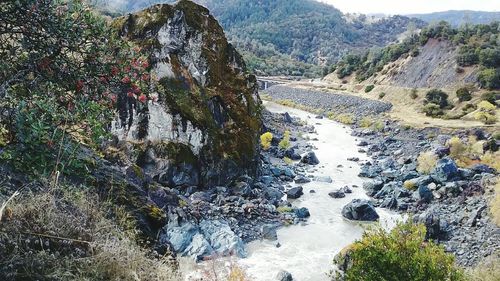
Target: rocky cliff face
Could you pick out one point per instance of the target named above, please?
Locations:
(203, 130)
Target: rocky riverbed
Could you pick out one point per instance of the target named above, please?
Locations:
(450, 201)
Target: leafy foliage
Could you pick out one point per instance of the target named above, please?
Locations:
(369, 88)
(265, 140)
(401, 254)
(464, 94)
(63, 72)
(285, 142)
(437, 97)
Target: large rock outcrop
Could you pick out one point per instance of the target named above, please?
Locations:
(203, 130)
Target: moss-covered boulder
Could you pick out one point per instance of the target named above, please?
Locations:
(203, 130)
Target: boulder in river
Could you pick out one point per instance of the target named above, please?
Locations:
(301, 179)
(310, 158)
(284, 276)
(302, 213)
(268, 232)
(360, 210)
(326, 179)
(337, 194)
(295, 192)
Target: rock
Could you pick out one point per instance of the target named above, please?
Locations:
(442, 151)
(287, 118)
(363, 143)
(482, 168)
(360, 210)
(266, 180)
(390, 203)
(272, 194)
(222, 239)
(200, 196)
(372, 187)
(179, 236)
(241, 189)
(353, 159)
(346, 189)
(337, 194)
(301, 179)
(431, 221)
(302, 213)
(284, 276)
(269, 232)
(326, 179)
(289, 173)
(445, 170)
(475, 215)
(310, 158)
(423, 194)
(295, 192)
(466, 174)
(290, 153)
(187, 51)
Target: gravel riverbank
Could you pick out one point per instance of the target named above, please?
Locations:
(450, 201)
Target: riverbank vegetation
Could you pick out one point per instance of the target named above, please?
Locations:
(400, 254)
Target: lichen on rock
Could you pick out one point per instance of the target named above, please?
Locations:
(207, 100)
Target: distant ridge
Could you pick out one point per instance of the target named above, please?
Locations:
(459, 17)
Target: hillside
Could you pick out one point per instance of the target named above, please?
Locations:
(296, 37)
(457, 18)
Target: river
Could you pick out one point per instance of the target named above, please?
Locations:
(307, 249)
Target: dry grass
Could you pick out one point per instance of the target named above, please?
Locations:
(410, 185)
(470, 152)
(346, 119)
(426, 162)
(265, 140)
(495, 204)
(488, 270)
(64, 234)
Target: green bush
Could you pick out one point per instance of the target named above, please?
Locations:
(489, 78)
(464, 94)
(436, 97)
(432, 110)
(369, 88)
(285, 142)
(401, 254)
(491, 97)
(468, 108)
(414, 93)
(381, 95)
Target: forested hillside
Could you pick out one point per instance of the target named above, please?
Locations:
(457, 18)
(294, 37)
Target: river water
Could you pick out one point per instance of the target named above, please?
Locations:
(307, 249)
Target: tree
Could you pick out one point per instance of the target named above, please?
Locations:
(464, 94)
(437, 97)
(62, 72)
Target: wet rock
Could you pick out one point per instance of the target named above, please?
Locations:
(337, 194)
(346, 189)
(301, 179)
(390, 203)
(269, 232)
(292, 154)
(326, 179)
(241, 189)
(353, 159)
(310, 158)
(302, 213)
(284, 276)
(222, 239)
(363, 143)
(360, 210)
(372, 187)
(295, 192)
(266, 179)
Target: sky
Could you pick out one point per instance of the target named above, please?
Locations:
(412, 6)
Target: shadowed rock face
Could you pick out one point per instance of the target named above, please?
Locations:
(207, 119)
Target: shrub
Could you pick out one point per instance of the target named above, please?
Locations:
(491, 97)
(369, 88)
(285, 142)
(365, 122)
(379, 126)
(345, 119)
(288, 161)
(426, 162)
(468, 108)
(437, 97)
(410, 185)
(401, 254)
(265, 140)
(495, 204)
(489, 78)
(457, 147)
(381, 95)
(432, 110)
(486, 113)
(464, 94)
(284, 209)
(414, 93)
